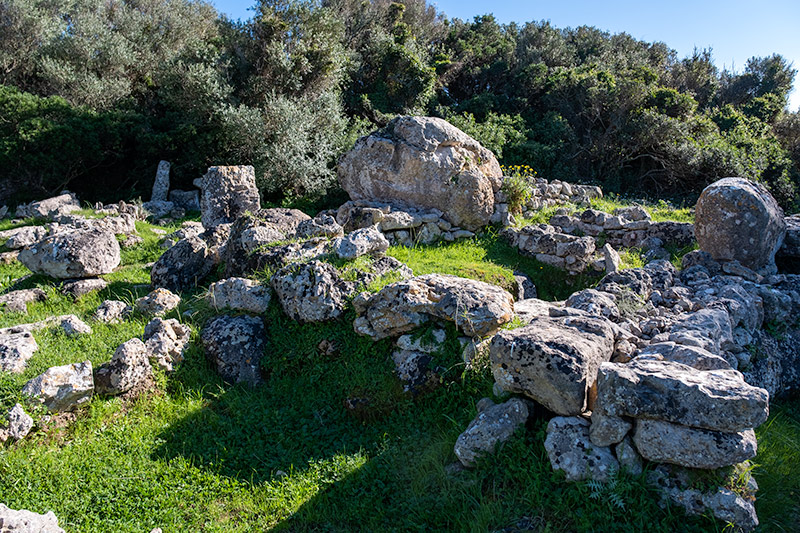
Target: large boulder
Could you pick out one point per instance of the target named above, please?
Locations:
(183, 266)
(493, 425)
(477, 308)
(664, 442)
(719, 400)
(311, 292)
(234, 346)
(73, 254)
(62, 388)
(360, 242)
(553, 360)
(424, 162)
(736, 219)
(228, 193)
(165, 341)
(240, 294)
(62, 204)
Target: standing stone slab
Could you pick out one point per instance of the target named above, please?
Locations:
(663, 442)
(424, 162)
(717, 399)
(235, 345)
(161, 184)
(493, 425)
(553, 360)
(62, 388)
(228, 193)
(73, 254)
(736, 219)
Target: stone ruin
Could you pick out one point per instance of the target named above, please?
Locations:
(654, 364)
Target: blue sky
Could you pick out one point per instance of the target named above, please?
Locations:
(734, 29)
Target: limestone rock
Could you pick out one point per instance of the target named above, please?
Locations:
(15, 351)
(17, 301)
(24, 521)
(357, 215)
(227, 193)
(240, 294)
(82, 287)
(182, 266)
(234, 346)
(26, 236)
(73, 254)
(570, 450)
(716, 399)
(664, 442)
(112, 312)
(158, 303)
(494, 425)
(361, 242)
(187, 200)
(611, 258)
(525, 288)
(20, 424)
(161, 184)
(552, 360)
(460, 176)
(129, 366)
(595, 302)
(607, 430)
(62, 388)
(628, 457)
(311, 292)
(165, 342)
(477, 308)
(692, 356)
(736, 219)
(62, 204)
(320, 226)
(188, 229)
(73, 326)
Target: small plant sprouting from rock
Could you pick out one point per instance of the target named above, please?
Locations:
(517, 186)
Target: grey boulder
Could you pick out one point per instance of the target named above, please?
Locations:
(129, 366)
(361, 242)
(494, 424)
(570, 450)
(240, 294)
(24, 521)
(311, 292)
(183, 266)
(227, 193)
(62, 388)
(234, 346)
(15, 350)
(73, 254)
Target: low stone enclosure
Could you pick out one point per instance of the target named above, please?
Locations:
(655, 365)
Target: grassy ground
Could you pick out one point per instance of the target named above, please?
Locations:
(197, 454)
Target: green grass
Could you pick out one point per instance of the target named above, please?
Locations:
(197, 454)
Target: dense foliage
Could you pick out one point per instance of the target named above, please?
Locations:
(95, 92)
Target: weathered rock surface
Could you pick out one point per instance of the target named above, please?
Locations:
(553, 360)
(736, 219)
(311, 292)
(165, 342)
(235, 345)
(158, 303)
(607, 430)
(17, 301)
(62, 388)
(15, 350)
(628, 457)
(26, 236)
(20, 424)
(692, 356)
(129, 366)
(240, 294)
(664, 442)
(62, 204)
(320, 226)
(570, 450)
(228, 193)
(494, 424)
(460, 176)
(477, 308)
(73, 254)
(361, 242)
(186, 200)
(112, 312)
(717, 399)
(183, 265)
(71, 325)
(161, 183)
(24, 521)
(79, 288)
(595, 302)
